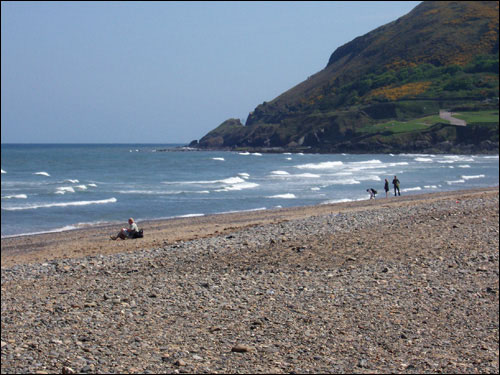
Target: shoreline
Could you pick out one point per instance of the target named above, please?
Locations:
(94, 240)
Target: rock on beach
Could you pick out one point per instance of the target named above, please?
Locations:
(399, 285)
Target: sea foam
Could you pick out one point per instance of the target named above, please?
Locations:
(323, 165)
(15, 196)
(280, 173)
(455, 182)
(473, 177)
(306, 175)
(66, 204)
(412, 189)
(283, 196)
(65, 189)
(333, 201)
(42, 174)
(239, 186)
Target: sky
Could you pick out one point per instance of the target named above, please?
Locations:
(162, 72)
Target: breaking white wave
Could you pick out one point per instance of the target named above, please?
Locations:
(192, 215)
(306, 175)
(455, 182)
(283, 196)
(244, 175)
(147, 192)
(221, 159)
(332, 201)
(244, 153)
(15, 196)
(66, 204)
(225, 181)
(323, 165)
(249, 210)
(473, 177)
(231, 180)
(93, 185)
(3, 171)
(430, 187)
(424, 159)
(363, 165)
(412, 189)
(72, 181)
(257, 154)
(64, 189)
(458, 158)
(396, 164)
(369, 178)
(280, 173)
(239, 186)
(367, 162)
(81, 187)
(63, 229)
(463, 166)
(42, 174)
(160, 192)
(347, 181)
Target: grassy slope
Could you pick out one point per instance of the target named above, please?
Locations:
(391, 81)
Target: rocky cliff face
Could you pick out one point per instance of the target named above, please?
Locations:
(442, 54)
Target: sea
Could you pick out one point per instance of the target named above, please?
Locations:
(59, 187)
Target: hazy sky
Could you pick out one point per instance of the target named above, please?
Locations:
(161, 72)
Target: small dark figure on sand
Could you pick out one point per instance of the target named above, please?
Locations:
(395, 182)
(127, 233)
(386, 188)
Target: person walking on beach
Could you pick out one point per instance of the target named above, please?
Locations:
(127, 233)
(386, 188)
(395, 182)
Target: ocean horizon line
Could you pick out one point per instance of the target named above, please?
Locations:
(93, 143)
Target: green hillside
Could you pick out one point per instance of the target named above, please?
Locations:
(382, 92)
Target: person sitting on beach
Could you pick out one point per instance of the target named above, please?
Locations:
(127, 233)
(372, 192)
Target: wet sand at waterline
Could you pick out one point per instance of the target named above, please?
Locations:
(95, 240)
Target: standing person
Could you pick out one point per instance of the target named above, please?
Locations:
(127, 233)
(386, 187)
(395, 182)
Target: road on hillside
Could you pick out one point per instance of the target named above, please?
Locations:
(445, 115)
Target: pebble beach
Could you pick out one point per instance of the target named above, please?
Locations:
(404, 284)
